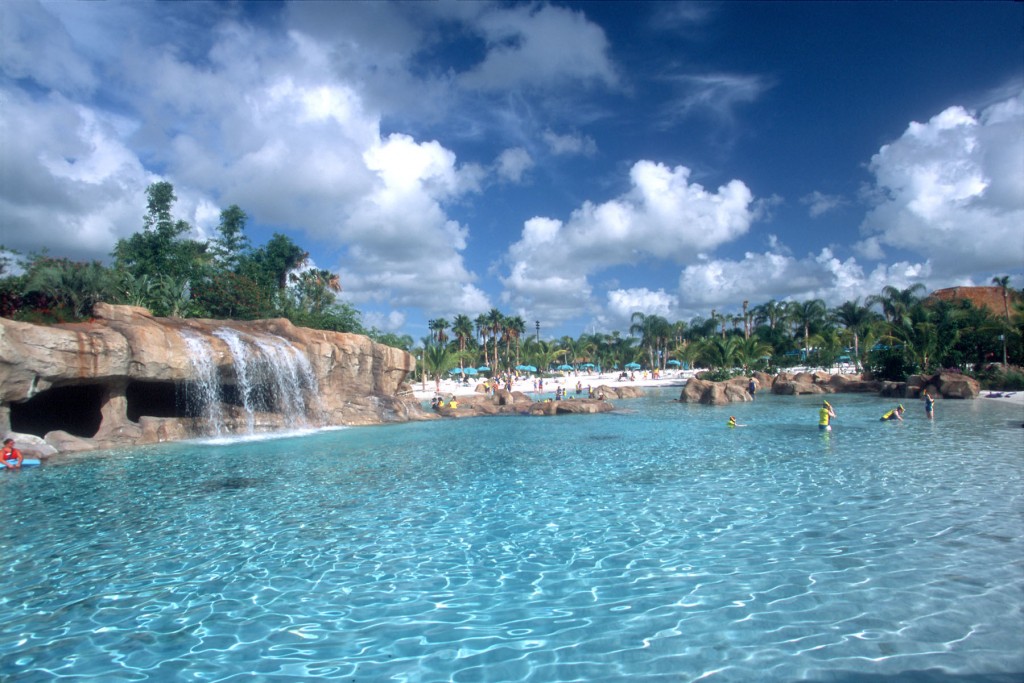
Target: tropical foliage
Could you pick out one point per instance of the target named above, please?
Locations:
(892, 334)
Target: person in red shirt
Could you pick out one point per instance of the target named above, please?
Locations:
(10, 455)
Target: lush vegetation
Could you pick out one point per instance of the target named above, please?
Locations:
(163, 269)
(893, 334)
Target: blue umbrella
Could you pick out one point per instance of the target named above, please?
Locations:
(633, 366)
(673, 362)
(456, 371)
(565, 367)
(526, 368)
(587, 365)
(483, 368)
(470, 371)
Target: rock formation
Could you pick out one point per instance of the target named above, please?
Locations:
(127, 377)
(941, 385)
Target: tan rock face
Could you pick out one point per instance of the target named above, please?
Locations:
(127, 377)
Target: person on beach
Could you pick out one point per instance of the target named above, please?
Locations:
(825, 415)
(10, 455)
(752, 388)
(929, 405)
(894, 414)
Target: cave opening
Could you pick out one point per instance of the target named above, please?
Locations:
(151, 399)
(73, 409)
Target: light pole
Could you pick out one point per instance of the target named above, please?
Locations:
(537, 322)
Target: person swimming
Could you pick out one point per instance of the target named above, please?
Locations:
(894, 414)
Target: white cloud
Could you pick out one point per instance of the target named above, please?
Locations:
(821, 203)
(724, 283)
(81, 190)
(953, 188)
(664, 217)
(513, 163)
(622, 303)
(573, 144)
(539, 46)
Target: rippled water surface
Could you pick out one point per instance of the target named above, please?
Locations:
(652, 544)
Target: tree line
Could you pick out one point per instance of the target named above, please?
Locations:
(892, 334)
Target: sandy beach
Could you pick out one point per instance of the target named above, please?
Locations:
(671, 378)
(568, 380)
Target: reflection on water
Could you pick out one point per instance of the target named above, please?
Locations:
(653, 544)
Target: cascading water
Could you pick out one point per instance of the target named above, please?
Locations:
(271, 375)
(203, 395)
(241, 359)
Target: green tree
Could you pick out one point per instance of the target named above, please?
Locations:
(161, 248)
(231, 242)
(437, 360)
(856, 319)
(810, 315)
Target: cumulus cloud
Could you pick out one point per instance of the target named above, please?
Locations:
(663, 216)
(623, 303)
(256, 118)
(951, 188)
(776, 274)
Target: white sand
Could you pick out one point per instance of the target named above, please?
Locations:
(449, 387)
(671, 378)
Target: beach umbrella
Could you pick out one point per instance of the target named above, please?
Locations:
(632, 366)
(456, 371)
(526, 368)
(673, 362)
(565, 367)
(483, 368)
(470, 371)
(587, 365)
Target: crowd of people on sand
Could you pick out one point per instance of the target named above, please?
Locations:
(508, 382)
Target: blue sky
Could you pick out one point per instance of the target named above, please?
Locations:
(567, 162)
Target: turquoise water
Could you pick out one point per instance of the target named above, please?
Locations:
(653, 544)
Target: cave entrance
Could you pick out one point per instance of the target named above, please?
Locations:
(73, 409)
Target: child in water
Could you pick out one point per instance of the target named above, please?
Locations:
(894, 414)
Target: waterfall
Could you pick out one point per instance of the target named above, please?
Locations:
(271, 375)
(243, 385)
(202, 395)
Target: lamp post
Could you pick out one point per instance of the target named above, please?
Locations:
(537, 323)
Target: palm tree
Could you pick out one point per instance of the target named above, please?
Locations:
(437, 360)
(772, 312)
(808, 314)
(750, 351)
(855, 318)
(495, 323)
(438, 326)
(896, 303)
(719, 353)
(515, 328)
(462, 328)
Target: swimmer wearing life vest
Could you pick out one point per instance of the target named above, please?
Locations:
(894, 414)
(825, 415)
(732, 422)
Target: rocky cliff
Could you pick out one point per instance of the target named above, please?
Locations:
(127, 377)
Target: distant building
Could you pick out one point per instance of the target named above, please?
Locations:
(982, 297)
